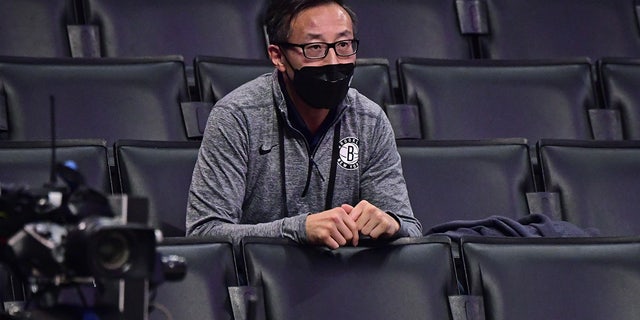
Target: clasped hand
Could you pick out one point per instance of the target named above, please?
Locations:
(338, 226)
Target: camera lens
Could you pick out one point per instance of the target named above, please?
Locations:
(113, 251)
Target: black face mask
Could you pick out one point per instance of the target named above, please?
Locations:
(323, 87)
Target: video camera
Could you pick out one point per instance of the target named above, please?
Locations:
(67, 236)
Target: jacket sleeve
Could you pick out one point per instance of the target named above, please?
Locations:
(382, 182)
(218, 184)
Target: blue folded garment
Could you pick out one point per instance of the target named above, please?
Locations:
(533, 225)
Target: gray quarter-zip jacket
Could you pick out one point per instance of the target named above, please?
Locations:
(256, 177)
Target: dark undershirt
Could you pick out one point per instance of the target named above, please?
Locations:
(298, 123)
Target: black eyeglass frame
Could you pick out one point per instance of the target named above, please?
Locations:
(326, 52)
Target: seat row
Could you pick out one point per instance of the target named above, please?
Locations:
(499, 278)
(149, 99)
(450, 29)
(480, 99)
(130, 98)
(592, 184)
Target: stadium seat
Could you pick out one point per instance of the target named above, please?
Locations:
(544, 29)
(203, 293)
(546, 278)
(391, 29)
(466, 180)
(409, 278)
(227, 28)
(619, 79)
(161, 172)
(486, 99)
(28, 163)
(597, 182)
(405, 120)
(111, 99)
(371, 77)
(217, 76)
(36, 28)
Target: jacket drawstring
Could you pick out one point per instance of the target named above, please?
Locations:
(332, 175)
(335, 153)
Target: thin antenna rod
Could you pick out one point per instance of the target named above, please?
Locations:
(52, 117)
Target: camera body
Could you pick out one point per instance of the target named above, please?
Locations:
(69, 236)
(97, 247)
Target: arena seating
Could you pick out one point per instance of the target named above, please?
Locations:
(596, 182)
(493, 102)
(161, 172)
(111, 99)
(187, 28)
(619, 79)
(484, 99)
(203, 293)
(392, 29)
(466, 180)
(27, 164)
(36, 28)
(217, 76)
(545, 29)
(369, 281)
(545, 278)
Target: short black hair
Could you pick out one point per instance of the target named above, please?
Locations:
(280, 13)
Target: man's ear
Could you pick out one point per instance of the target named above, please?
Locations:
(276, 56)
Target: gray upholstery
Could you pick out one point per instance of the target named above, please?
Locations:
(597, 182)
(619, 79)
(36, 28)
(544, 278)
(202, 294)
(226, 28)
(466, 180)
(217, 76)
(187, 27)
(28, 163)
(161, 172)
(391, 29)
(371, 78)
(409, 278)
(524, 29)
(95, 98)
(500, 99)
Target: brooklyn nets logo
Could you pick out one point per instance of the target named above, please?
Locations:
(348, 153)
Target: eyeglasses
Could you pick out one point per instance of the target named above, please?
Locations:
(319, 50)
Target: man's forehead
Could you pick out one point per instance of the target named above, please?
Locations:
(320, 21)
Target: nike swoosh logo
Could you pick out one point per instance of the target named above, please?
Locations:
(265, 149)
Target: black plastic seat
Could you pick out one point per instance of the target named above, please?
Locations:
(485, 99)
(391, 29)
(543, 29)
(111, 99)
(203, 293)
(28, 163)
(217, 76)
(597, 183)
(545, 278)
(161, 172)
(226, 28)
(466, 180)
(36, 28)
(619, 79)
(409, 278)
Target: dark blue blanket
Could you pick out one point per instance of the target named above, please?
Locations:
(533, 225)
